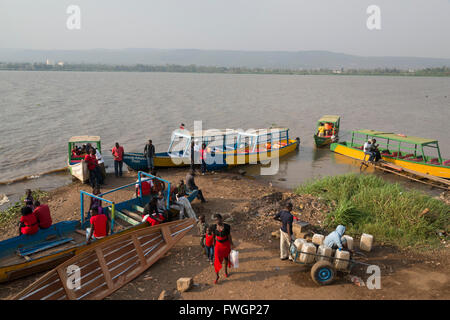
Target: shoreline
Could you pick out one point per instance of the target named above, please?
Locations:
(248, 205)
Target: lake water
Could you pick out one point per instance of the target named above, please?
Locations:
(40, 111)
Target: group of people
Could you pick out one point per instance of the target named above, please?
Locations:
(335, 240)
(35, 216)
(325, 129)
(371, 149)
(217, 242)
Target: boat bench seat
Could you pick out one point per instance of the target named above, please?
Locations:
(42, 247)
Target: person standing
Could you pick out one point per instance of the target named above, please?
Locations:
(149, 153)
(203, 158)
(286, 236)
(192, 155)
(117, 153)
(222, 245)
(101, 163)
(94, 171)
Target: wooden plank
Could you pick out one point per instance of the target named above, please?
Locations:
(132, 215)
(166, 234)
(138, 208)
(126, 218)
(42, 247)
(105, 270)
(138, 248)
(63, 277)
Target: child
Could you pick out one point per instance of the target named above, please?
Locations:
(29, 199)
(201, 224)
(209, 245)
(28, 222)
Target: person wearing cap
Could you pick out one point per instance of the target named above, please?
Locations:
(149, 153)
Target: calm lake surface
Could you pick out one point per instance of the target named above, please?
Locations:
(40, 111)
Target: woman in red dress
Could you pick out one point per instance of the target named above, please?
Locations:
(222, 246)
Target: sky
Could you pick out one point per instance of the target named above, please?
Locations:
(418, 28)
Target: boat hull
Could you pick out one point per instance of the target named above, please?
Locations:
(79, 171)
(322, 141)
(137, 161)
(425, 168)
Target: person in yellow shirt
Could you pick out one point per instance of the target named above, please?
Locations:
(321, 130)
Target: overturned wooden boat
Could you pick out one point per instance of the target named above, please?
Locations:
(107, 266)
(29, 254)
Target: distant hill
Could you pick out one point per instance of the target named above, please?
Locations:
(222, 58)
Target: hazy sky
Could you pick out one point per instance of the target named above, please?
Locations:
(408, 27)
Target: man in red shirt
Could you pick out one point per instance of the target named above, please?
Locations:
(117, 153)
(99, 225)
(42, 214)
(94, 170)
(28, 224)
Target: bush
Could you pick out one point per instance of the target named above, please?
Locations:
(13, 211)
(367, 203)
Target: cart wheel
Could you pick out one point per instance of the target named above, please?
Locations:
(323, 273)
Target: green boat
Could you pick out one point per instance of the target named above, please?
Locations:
(327, 130)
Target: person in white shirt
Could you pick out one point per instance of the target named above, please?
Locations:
(369, 148)
(101, 163)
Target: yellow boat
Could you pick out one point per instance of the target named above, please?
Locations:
(224, 148)
(409, 152)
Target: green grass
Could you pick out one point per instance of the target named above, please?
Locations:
(13, 212)
(368, 204)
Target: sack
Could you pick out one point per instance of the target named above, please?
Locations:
(234, 258)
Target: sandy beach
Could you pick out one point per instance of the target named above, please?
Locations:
(248, 206)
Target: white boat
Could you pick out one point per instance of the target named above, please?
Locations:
(77, 167)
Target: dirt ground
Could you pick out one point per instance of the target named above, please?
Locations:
(248, 206)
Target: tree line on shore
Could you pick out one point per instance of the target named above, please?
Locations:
(26, 66)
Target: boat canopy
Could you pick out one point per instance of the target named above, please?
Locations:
(203, 133)
(328, 118)
(80, 139)
(261, 132)
(396, 137)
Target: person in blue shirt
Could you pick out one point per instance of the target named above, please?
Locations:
(286, 236)
(336, 239)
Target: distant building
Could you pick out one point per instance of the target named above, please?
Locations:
(48, 62)
(60, 63)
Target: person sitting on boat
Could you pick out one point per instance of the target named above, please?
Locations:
(161, 205)
(29, 199)
(75, 152)
(191, 186)
(99, 226)
(368, 149)
(181, 187)
(42, 214)
(149, 153)
(146, 187)
(336, 239)
(157, 185)
(185, 204)
(28, 223)
(151, 214)
(321, 130)
(182, 126)
(375, 151)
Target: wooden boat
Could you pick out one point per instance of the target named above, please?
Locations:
(331, 125)
(224, 148)
(28, 254)
(407, 152)
(107, 266)
(77, 166)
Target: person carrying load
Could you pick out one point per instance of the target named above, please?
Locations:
(336, 240)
